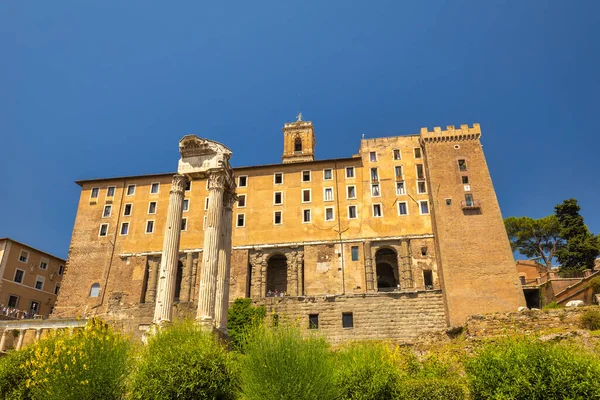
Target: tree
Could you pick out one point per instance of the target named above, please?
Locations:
(582, 247)
(243, 316)
(535, 237)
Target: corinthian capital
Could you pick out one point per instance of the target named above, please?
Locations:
(229, 199)
(217, 180)
(179, 183)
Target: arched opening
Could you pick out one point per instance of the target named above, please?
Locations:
(95, 290)
(178, 279)
(298, 144)
(386, 263)
(276, 275)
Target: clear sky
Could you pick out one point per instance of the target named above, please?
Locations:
(107, 88)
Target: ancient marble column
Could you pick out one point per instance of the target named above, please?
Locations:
(20, 340)
(3, 340)
(210, 257)
(153, 268)
(165, 296)
(186, 276)
(224, 266)
(38, 334)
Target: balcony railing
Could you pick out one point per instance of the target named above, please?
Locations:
(470, 205)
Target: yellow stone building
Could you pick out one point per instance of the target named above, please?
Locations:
(403, 238)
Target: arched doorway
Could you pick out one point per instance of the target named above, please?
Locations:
(276, 274)
(386, 264)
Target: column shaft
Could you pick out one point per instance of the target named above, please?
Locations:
(165, 296)
(3, 340)
(184, 295)
(224, 266)
(20, 340)
(153, 268)
(38, 334)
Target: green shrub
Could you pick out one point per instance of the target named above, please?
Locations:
(183, 362)
(242, 317)
(552, 305)
(14, 375)
(529, 369)
(430, 389)
(590, 319)
(367, 371)
(285, 363)
(594, 283)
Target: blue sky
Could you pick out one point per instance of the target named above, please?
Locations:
(107, 88)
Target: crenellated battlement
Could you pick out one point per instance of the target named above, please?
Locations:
(451, 133)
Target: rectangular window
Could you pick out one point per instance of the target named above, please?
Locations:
(398, 172)
(313, 321)
(373, 156)
(13, 301)
(462, 165)
(421, 187)
(428, 279)
(127, 209)
(39, 282)
(103, 230)
(23, 256)
(351, 212)
(328, 194)
(469, 200)
(94, 193)
(374, 175)
(154, 187)
(347, 320)
(465, 180)
(19, 274)
(149, 226)
(124, 228)
(130, 190)
(242, 181)
(329, 214)
(278, 178)
(402, 208)
(349, 172)
(278, 198)
(61, 269)
(241, 201)
(417, 152)
(354, 251)
(424, 205)
(152, 207)
(306, 215)
(107, 211)
(240, 221)
(377, 210)
(306, 196)
(56, 289)
(327, 174)
(110, 191)
(397, 154)
(420, 173)
(277, 218)
(375, 190)
(351, 192)
(305, 176)
(448, 202)
(44, 264)
(188, 185)
(206, 200)
(400, 188)
(186, 205)
(183, 224)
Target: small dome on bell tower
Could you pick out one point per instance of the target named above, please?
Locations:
(298, 141)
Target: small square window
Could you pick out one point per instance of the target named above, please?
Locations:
(328, 194)
(327, 174)
(110, 191)
(183, 224)
(377, 210)
(306, 216)
(352, 212)
(107, 211)
(373, 156)
(277, 218)
(149, 226)
(278, 178)
(19, 274)
(448, 202)
(424, 207)
(44, 264)
(278, 198)
(397, 154)
(351, 192)
(240, 221)
(354, 251)
(400, 188)
(465, 180)
(24, 256)
(127, 209)
(420, 173)
(152, 207)
(398, 172)
(462, 165)
(61, 269)
(13, 301)
(103, 230)
(94, 193)
(375, 190)
(154, 188)
(417, 152)
(313, 321)
(329, 214)
(347, 320)
(124, 228)
(241, 201)
(306, 195)
(243, 181)
(349, 172)
(305, 176)
(374, 175)
(39, 283)
(421, 187)
(186, 205)
(402, 208)
(130, 190)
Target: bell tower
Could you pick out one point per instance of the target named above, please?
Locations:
(298, 141)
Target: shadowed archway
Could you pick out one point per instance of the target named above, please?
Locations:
(277, 274)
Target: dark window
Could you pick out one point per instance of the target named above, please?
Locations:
(351, 192)
(465, 180)
(469, 200)
(242, 200)
(420, 174)
(186, 204)
(354, 250)
(106, 212)
(523, 281)
(39, 284)
(313, 321)
(13, 301)
(351, 212)
(377, 210)
(19, 276)
(306, 216)
(327, 174)
(149, 226)
(278, 198)
(127, 210)
(61, 269)
(424, 207)
(130, 190)
(277, 220)
(397, 155)
(242, 181)
(124, 228)
(306, 195)
(94, 194)
(56, 289)
(373, 156)
(462, 165)
(421, 187)
(424, 250)
(398, 172)
(278, 178)
(347, 320)
(417, 152)
(103, 230)
(374, 174)
(188, 185)
(184, 224)
(448, 202)
(428, 278)
(305, 176)
(349, 172)
(298, 144)
(154, 188)
(110, 191)
(402, 209)
(240, 220)
(152, 207)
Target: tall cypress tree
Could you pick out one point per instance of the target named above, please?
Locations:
(582, 247)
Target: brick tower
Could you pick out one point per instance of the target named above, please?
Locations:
(298, 141)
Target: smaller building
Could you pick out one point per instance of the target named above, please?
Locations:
(29, 280)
